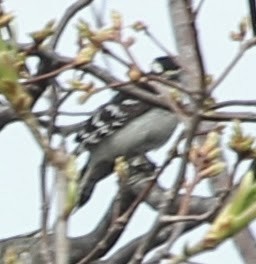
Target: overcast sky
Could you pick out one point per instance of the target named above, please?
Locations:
(20, 158)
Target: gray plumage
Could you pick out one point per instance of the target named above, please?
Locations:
(123, 127)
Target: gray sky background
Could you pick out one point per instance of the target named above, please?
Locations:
(20, 158)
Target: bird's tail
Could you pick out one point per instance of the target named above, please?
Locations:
(90, 176)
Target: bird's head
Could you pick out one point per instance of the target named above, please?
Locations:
(165, 67)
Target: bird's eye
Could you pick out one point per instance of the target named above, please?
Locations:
(157, 68)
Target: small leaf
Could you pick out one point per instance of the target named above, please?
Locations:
(86, 55)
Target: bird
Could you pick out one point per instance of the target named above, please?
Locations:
(125, 126)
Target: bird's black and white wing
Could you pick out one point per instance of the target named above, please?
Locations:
(108, 119)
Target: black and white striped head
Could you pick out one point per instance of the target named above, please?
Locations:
(166, 67)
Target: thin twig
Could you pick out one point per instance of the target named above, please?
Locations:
(115, 56)
(171, 219)
(64, 113)
(130, 55)
(230, 180)
(229, 116)
(45, 212)
(70, 12)
(231, 103)
(199, 7)
(48, 75)
(159, 44)
(173, 84)
(243, 48)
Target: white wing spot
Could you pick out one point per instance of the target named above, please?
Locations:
(93, 139)
(130, 102)
(115, 110)
(117, 124)
(96, 121)
(103, 130)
